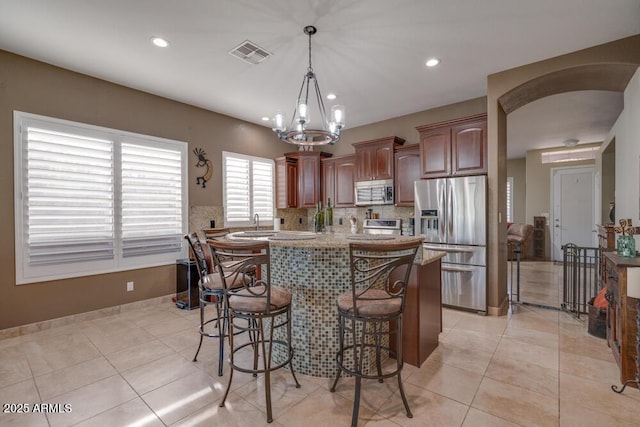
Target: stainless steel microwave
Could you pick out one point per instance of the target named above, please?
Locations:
(379, 192)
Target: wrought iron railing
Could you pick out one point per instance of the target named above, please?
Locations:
(580, 278)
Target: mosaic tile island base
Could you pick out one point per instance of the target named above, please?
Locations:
(316, 270)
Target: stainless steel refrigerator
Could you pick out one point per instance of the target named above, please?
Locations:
(451, 214)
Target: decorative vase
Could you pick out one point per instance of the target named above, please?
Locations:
(612, 212)
(626, 246)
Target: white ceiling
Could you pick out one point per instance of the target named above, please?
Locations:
(371, 53)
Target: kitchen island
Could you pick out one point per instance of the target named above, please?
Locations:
(315, 269)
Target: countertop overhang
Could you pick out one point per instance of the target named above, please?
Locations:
(302, 240)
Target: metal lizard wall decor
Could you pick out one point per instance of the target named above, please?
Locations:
(203, 162)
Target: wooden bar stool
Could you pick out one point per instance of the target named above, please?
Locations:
(265, 308)
(371, 314)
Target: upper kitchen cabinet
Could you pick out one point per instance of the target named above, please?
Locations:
(338, 175)
(305, 182)
(407, 165)
(374, 159)
(454, 148)
(286, 183)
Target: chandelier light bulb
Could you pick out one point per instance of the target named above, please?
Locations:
(337, 113)
(278, 122)
(303, 116)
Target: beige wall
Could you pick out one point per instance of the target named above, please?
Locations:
(517, 168)
(624, 51)
(626, 132)
(405, 126)
(38, 88)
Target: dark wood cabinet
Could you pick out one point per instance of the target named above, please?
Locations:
(539, 230)
(338, 177)
(302, 187)
(374, 159)
(454, 148)
(407, 167)
(606, 243)
(621, 325)
(286, 183)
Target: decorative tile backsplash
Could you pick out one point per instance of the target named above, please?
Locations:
(299, 219)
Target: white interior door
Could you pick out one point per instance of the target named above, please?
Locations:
(573, 208)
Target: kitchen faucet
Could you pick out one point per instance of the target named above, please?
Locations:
(256, 221)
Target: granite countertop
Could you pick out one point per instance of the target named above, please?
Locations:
(297, 239)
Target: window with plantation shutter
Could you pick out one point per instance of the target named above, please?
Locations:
(151, 200)
(69, 197)
(248, 189)
(91, 200)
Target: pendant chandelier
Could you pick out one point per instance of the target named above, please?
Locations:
(299, 131)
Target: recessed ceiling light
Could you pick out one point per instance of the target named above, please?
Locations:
(331, 96)
(432, 62)
(159, 41)
(266, 119)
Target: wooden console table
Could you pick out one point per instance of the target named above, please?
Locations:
(622, 328)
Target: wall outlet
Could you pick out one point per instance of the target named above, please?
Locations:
(281, 221)
(339, 221)
(129, 286)
(300, 220)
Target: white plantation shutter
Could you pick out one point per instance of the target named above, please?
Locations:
(68, 202)
(238, 195)
(510, 199)
(151, 200)
(92, 200)
(248, 188)
(262, 176)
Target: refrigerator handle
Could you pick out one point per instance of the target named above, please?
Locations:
(442, 215)
(449, 210)
(458, 269)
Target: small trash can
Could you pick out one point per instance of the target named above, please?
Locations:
(187, 292)
(597, 322)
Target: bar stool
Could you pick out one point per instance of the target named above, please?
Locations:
(265, 308)
(371, 314)
(212, 292)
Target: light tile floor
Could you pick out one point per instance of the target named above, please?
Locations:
(534, 367)
(540, 282)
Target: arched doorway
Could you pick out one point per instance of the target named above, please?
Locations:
(604, 67)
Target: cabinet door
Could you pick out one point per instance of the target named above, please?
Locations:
(328, 179)
(435, 153)
(468, 148)
(407, 172)
(308, 181)
(292, 185)
(344, 182)
(382, 166)
(286, 183)
(363, 164)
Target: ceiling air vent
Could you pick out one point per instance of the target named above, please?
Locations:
(250, 52)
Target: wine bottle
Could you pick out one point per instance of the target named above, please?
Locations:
(320, 217)
(328, 217)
